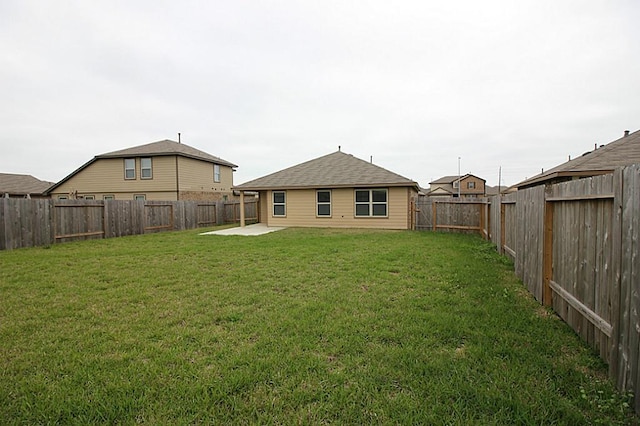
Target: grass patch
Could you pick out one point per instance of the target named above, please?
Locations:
(298, 326)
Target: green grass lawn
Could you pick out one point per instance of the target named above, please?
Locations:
(294, 327)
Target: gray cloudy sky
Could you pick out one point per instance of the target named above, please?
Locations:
(267, 85)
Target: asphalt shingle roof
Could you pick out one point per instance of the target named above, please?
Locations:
(22, 184)
(622, 152)
(165, 147)
(334, 170)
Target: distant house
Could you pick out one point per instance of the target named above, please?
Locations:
(603, 160)
(22, 186)
(164, 170)
(470, 186)
(336, 190)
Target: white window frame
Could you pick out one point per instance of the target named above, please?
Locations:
(143, 168)
(471, 185)
(323, 203)
(108, 197)
(370, 203)
(216, 173)
(140, 197)
(89, 197)
(126, 168)
(282, 204)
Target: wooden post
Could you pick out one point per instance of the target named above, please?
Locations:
(483, 226)
(242, 224)
(503, 226)
(547, 254)
(434, 221)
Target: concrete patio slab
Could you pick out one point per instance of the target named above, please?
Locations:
(249, 230)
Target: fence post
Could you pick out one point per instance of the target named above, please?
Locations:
(503, 226)
(434, 219)
(547, 252)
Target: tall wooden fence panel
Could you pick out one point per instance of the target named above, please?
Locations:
(529, 226)
(509, 225)
(453, 215)
(624, 366)
(25, 223)
(581, 277)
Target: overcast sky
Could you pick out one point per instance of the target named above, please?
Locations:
(266, 85)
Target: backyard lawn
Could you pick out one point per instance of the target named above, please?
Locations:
(301, 326)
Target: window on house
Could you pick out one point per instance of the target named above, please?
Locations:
(108, 197)
(129, 168)
(216, 173)
(279, 203)
(323, 203)
(371, 202)
(139, 197)
(456, 183)
(63, 197)
(146, 171)
(89, 197)
(471, 185)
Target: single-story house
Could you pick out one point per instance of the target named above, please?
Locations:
(602, 160)
(165, 170)
(337, 190)
(467, 186)
(22, 186)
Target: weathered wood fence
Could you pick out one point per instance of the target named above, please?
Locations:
(41, 222)
(576, 247)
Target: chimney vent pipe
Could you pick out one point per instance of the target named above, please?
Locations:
(626, 133)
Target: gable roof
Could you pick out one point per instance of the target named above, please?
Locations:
(22, 184)
(451, 179)
(621, 152)
(154, 149)
(335, 170)
(166, 147)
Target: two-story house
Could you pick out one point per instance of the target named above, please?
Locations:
(164, 170)
(467, 186)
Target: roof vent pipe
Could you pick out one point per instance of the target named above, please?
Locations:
(179, 141)
(626, 133)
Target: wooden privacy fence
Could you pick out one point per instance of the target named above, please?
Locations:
(40, 222)
(453, 215)
(576, 247)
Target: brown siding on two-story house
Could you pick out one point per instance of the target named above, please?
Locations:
(472, 186)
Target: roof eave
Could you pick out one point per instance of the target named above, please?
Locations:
(338, 186)
(168, 154)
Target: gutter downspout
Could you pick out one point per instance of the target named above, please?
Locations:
(242, 224)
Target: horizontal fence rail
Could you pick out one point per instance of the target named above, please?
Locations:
(42, 222)
(576, 247)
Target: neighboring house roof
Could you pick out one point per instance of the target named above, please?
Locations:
(166, 147)
(450, 179)
(155, 149)
(22, 184)
(495, 190)
(334, 170)
(440, 191)
(622, 152)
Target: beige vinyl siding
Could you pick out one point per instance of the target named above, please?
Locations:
(301, 210)
(106, 176)
(196, 175)
(264, 207)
